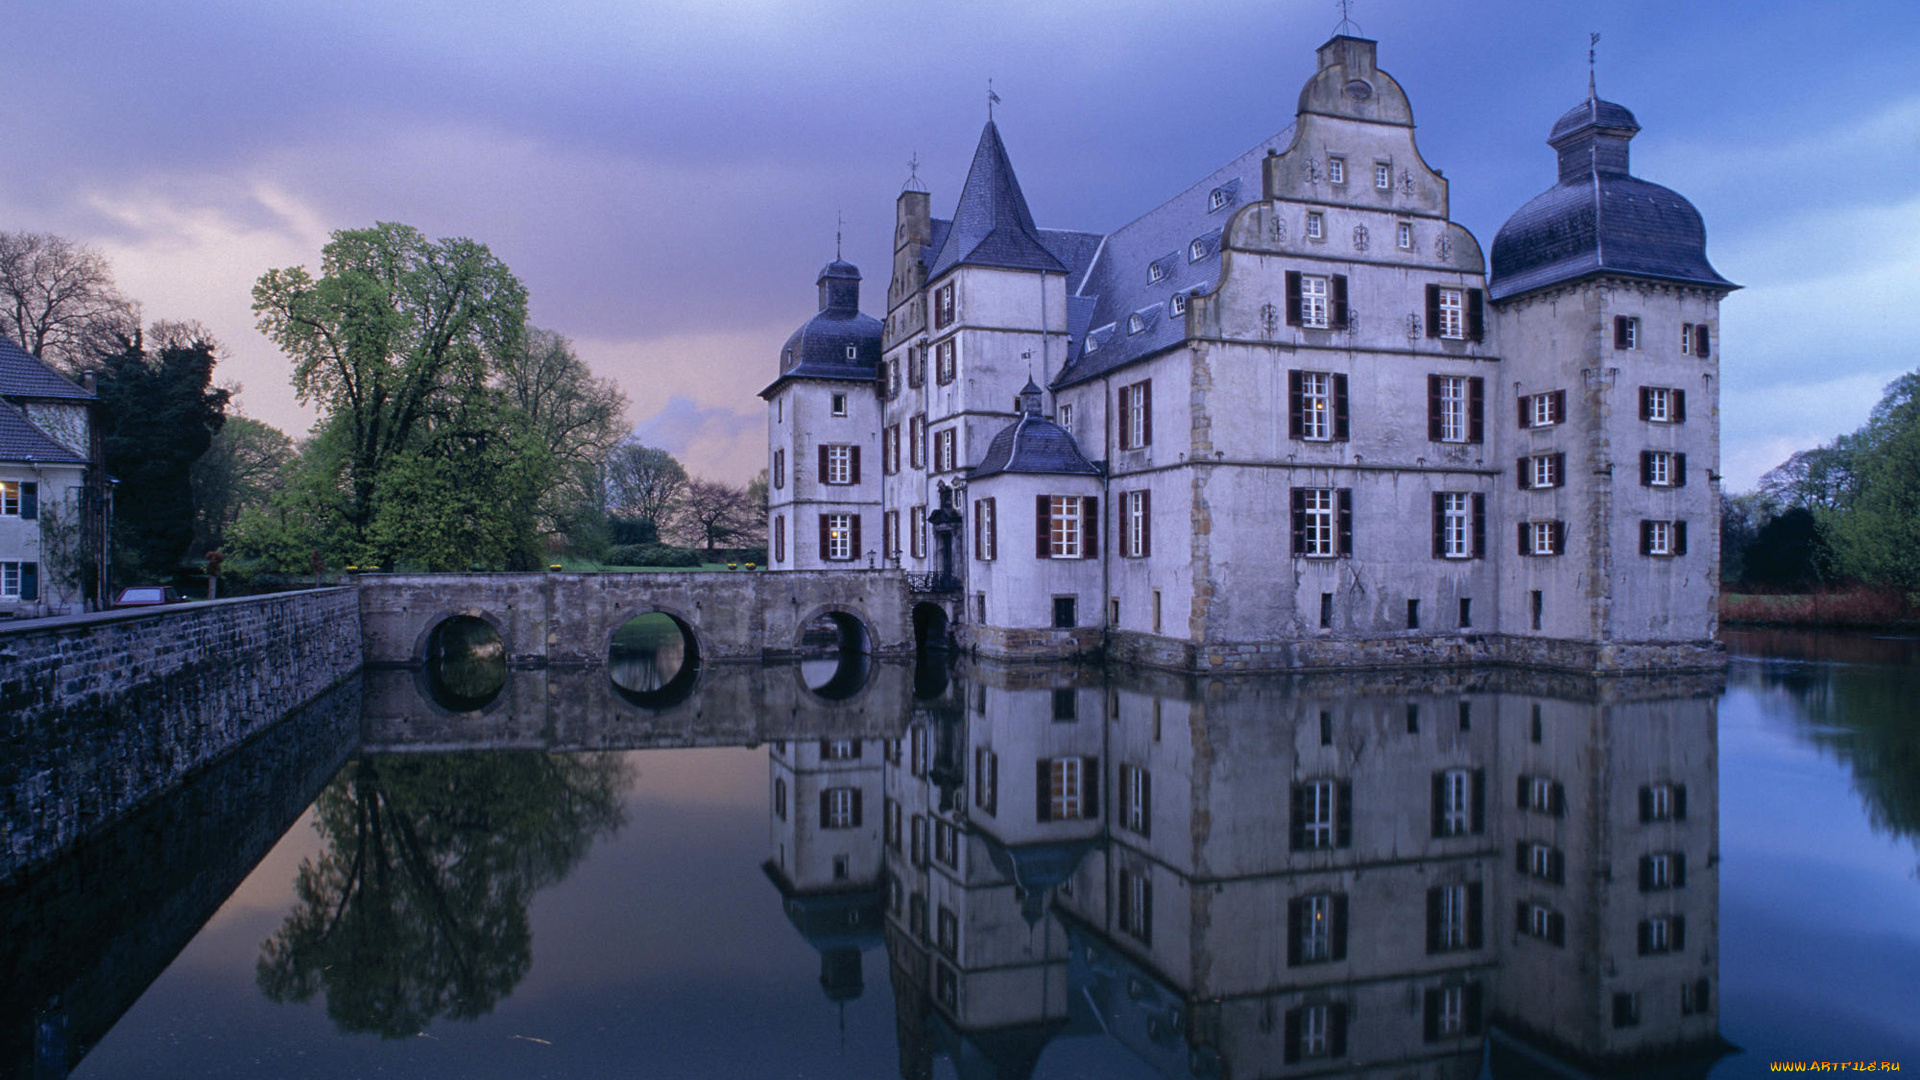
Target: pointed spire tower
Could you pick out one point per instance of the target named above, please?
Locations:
(992, 225)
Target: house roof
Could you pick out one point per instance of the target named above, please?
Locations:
(1143, 264)
(992, 225)
(819, 349)
(1033, 444)
(20, 440)
(24, 375)
(1599, 218)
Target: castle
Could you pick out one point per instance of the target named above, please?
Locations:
(1291, 418)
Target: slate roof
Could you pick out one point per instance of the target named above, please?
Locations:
(992, 225)
(1119, 284)
(20, 440)
(1033, 444)
(818, 350)
(1599, 218)
(24, 375)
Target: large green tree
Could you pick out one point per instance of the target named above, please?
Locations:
(243, 468)
(577, 420)
(1874, 529)
(398, 341)
(159, 413)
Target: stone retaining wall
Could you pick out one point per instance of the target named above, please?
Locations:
(99, 713)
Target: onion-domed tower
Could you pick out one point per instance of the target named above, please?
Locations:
(822, 412)
(1608, 314)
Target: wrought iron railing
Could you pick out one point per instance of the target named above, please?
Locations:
(932, 583)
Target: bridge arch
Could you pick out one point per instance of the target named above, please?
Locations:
(840, 671)
(464, 670)
(423, 642)
(634, 673)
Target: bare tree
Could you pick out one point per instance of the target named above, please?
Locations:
(717, 514)
(575, 414)
(645, 484)
(58, 300)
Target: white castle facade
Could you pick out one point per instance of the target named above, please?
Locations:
(1294, 417)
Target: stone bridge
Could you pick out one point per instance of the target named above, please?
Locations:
(568, 620)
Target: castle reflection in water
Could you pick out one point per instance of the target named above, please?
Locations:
(1387, 875)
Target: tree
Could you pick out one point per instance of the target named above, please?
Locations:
(465, 494)
(58, 300)
(645, 485)
(243, 468)
(717, 514)
(159, 413)
(577, 419)
(1875, 530)
(397, 335)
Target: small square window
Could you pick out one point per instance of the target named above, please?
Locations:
(839, 404)
(1382, 175)
(853, 352)
(1337, 170)
(1316, 225)
(1065, 612)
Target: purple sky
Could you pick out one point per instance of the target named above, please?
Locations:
(664, 175)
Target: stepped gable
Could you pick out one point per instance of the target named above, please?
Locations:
(819, 349)
(1599, 218)
(1033, 444)
(1121, 282)
(992, 225)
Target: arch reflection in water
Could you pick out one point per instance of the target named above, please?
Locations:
(466, 664)
(836, 655)
(1337, 872)
(654, 660)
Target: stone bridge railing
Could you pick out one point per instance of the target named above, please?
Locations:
(568, 620)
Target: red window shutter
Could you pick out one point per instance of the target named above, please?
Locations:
(854, 465)
(1433, 311)
(1646, 538)
(1299, 521)
(1476, 410)
(822, 476)
(1678, 474)
(1479, 525)
(1090, 783)
(1679, 406)
(1434, 427)
(979, 530)
(853, 548)
(1646, 468)
(1293, 298)
(1524, 413)
(1559, 538)
(1339, 313)
(1646, 403)
(825, 531)
(1439, 524)
(1343, 502)
(1146, 523)
(1619, 331)
(1042, 526)
(1090, 526)
(993, 532)
(1559, 470)
(1523, 472)
(1126, 418)
(1559, 406)
(1525, 548)
(1340, 425)
(1476, 315)
(1296, 405)
(1042, 790)
(1700, 341)
(1679, 538)
(1146, 413)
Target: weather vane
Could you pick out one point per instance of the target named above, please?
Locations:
(839, 223)
(1593, 53)
(1347, 25)
(992, 99)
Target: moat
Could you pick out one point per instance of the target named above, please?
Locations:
(991, 871)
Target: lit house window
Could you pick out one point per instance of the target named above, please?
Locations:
(1337, 170)
(19, 498)
(839, 543)
(1316, 929)
(1316, 405)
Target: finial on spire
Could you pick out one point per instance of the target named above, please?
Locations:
(839, 224)
(914, 183)
(1593, 52)
(1347, 25)
(992, 100)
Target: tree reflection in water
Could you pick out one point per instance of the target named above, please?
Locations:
(647, 653)
(417, 909)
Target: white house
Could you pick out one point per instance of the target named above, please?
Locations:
(52, 490)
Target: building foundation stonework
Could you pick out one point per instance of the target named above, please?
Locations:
(1293, 418)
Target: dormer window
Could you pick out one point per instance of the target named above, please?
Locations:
(1216, 199)
(853, 352)
(1135, 324)
(786, 359)
(1337, 170)
(1155, 272)
(1093, 344)
(1179, 304)
(1196, 251)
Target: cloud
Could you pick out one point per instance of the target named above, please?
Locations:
(711, 441)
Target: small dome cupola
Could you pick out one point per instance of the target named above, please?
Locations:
(839, 283)
(1030, 398)
(1600, 219)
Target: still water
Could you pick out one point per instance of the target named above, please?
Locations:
(1011, 872)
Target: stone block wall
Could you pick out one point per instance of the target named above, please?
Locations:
(99, 713)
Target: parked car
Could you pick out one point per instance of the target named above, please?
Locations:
(148, 596)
